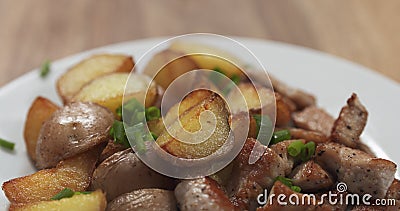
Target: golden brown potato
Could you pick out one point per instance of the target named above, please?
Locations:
(76, 77)
(189, 119)
(223, 60)
(108, 90)
(283, 111)
(74, 173)
(167, 65)
(40, 111)
(255, 98)
(95, 201)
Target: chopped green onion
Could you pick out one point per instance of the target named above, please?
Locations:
(118, 111)
(284, 180)
(217, 69)
(235, 79)
(117, 131)
(152, 113)
(45, 69)
(265, 121)
(295, 188)
(139, 137)
(65, 193)
(294, 149)
(82, 192)
(6, 144)
(288, 182)
(280, 135)
(154, 136)
(308, 151)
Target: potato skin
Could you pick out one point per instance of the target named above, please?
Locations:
(71, 130)
(40, 111)
(93, 201)
(74, 173)
(124, 172)
(87, 70)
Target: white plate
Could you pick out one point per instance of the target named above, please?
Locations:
(330, 79)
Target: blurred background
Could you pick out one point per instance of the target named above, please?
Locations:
(363, 31)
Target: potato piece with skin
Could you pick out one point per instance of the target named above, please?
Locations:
(95, 201)
(76, 77)
(71, 130)
(124, 172)
(145, 199)
(40, 111)
(167, 65)
(108, 90)
(189, 119)
(74, 173)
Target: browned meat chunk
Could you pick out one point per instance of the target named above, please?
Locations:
(250, 180)
(310, 177)
(281, 149)
(299, 97)
(201, 194)
(394, 190)
(361, 172)
(144, 199)
(308, 135)
(315, 119)
(350, 124)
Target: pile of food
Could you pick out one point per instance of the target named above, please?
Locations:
(85, 161)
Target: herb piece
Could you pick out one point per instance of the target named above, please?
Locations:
(6, 144)
(65, 193)
(307, 151)
(152, 113)
(117, 131)
(280, 135)
(154, 136)
(82, 192)
(284, 180)
(236, 79)
(295, 148)
(295, 188)
(45, 69)
(288, 182)
(263, 121)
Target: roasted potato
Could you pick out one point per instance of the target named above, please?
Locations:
(124, 172)
(108, 90)
(75, 128)
(145, 199)
(111, 149)
(190, 120)
(40, 111)
(95, 201)
(76, 77)
(167, 65)
(74, 173)
(210, 57)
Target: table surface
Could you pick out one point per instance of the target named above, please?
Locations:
(363, 31)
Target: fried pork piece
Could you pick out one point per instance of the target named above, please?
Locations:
(144, 199)
(281, 149)
(299, 97)
(201, 194)
(350, 124)
(249, 180)
(308, 135)
(302, 202)
(361, 172)
(314, 119)
(310, 177)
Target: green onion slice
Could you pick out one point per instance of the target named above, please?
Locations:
(295, 148)
(6, 144)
